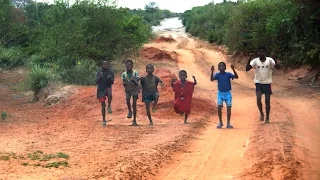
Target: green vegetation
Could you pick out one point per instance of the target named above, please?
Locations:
(37, 159)
(288, 28)
(153, 15)
(68, 41)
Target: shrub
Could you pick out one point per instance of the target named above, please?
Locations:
(38, 79)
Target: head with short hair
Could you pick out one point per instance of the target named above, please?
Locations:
(183, 75)
(149, 68)
(105, 64)
(262, 52)
(222, 66)
(129, 64)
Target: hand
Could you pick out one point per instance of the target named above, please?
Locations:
(161, 84)
(100, 73)
(212, 68)
(173, 80)
(251, 56)
(232, 67)
(109, 76)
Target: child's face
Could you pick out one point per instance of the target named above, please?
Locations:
(222, 67)
(105, 65)
(183, 76)
(149, 69)
(129, 65)
(261, 53)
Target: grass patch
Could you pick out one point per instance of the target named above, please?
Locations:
(57, 164)
(5, 157)
(37, 159)
(62, 155)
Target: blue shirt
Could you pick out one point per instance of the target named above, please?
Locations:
(224, 84)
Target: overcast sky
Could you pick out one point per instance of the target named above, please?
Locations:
(171, 5)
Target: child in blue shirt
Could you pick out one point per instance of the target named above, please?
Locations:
(224, 90)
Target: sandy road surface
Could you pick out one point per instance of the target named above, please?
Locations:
(287, 148)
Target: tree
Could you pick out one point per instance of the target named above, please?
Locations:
(151, 7)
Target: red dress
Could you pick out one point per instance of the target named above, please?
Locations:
(183, 96)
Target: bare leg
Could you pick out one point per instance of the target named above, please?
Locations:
(155, 102)
(185, 118)
(267, 100)
(109, 101)
(148, 112)
(259, 104)
(220, 113)
(228, 114)
(134, 106)
(128, 97)
(103, 111)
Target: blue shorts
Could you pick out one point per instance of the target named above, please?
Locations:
(224, 96)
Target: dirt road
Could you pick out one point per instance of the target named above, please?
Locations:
(287, 148)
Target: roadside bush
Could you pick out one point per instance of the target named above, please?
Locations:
(80, 72)
(10, 58)
(38, 78)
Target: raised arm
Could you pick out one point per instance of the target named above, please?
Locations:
(234, 72)
(212, 72)
(248, 66)
(277, 65)
(194, 80)
(172, 82)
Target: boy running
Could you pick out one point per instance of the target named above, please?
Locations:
(224, 90)
(104, 79)
(183, 90)
(150, 92)
(130, 81)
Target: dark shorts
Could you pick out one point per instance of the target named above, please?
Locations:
(107, 93)
(264, 88)
(130, 93)
(150, 98)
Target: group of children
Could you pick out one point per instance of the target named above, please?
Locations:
(132, 84)
(182, 88)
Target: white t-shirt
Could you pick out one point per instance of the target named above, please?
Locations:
(263, 73)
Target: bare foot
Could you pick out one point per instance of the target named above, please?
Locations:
(261, 117)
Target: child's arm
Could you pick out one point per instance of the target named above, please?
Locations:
(99, 75)
(212, 72)
(160, 81)
(172, 82)
(194, 80)
(277, 65)
(234, 72)
(110, 77)
(248, 66)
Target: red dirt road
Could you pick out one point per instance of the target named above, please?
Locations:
(287, 148)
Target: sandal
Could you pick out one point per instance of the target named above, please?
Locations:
(229, 126)
(219, 125)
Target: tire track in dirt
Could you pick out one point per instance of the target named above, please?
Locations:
(268, 150)
(271, 154)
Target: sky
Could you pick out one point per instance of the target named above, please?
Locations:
(171, 5)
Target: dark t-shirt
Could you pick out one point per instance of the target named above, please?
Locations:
(149, 85)
(224, 84)
(104, 82)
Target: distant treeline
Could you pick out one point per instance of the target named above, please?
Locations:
(70, 40)
(290, 29)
